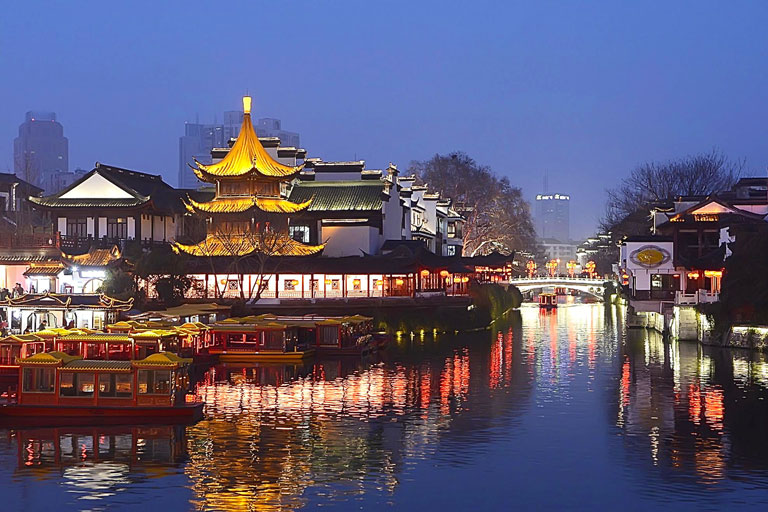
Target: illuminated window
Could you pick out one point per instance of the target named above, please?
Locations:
(300, 233)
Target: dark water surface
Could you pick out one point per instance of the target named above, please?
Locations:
(554, 410)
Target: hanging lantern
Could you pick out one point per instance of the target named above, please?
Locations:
(378, 282)
(424, 273)
(399, 282)
(355, 282)
(694, 275)
(327, 281)
(443, 273)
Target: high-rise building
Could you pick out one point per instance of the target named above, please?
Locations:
(553, 216)
(41, 151)
(199, 139)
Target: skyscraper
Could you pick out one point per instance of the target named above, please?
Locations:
(553, 216)
(40, 151)
(199, 139)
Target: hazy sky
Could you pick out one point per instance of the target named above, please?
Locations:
(583, 90)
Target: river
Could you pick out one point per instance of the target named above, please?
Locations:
(547, 410)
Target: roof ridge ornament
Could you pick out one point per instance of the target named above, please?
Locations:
(247, 105)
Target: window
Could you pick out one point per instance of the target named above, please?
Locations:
(288, 284)
(76, 384)
(451, 230)
(38, 380)
(451, 250)
(300, 233)
(77, 227)
(154, 382)
(116, 385)
(117, 227)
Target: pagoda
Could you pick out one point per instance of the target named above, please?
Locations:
(248, 213)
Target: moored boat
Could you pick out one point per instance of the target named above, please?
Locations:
(548, 300)
(272, 338)
(58, 389)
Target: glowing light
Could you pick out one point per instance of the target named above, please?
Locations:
(713, 273)
(246, 104)
(443, 273)
(693, 275)
(399, 282)
(424, 273)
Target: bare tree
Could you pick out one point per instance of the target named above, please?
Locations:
(629, 204)
(497, 216)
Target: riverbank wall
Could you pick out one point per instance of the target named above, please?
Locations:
(485, 303)
(688, 323)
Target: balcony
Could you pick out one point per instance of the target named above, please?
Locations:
(697, 297)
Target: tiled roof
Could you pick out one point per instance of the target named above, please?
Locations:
(339, 195)
(98, 365)
(144, 188)
(94, 257)
(55, 202)
(240, 245)
(44, 270)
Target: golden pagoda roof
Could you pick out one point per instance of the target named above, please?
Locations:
(242, 204)
(163, 359)
(49, 358)
(247, 156)
(277, 244)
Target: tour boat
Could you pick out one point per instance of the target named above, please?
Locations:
(265, 338)
(58, 389)
(14, 347)
(547, 300)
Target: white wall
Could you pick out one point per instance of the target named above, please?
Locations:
(97, 186)
(350, 240)
(146, 227)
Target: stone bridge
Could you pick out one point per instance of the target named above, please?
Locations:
(588, 285)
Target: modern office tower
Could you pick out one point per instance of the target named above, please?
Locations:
(553, 216)
(41, 151)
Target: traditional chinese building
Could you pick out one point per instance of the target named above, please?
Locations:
(249, 211)
(111, 205)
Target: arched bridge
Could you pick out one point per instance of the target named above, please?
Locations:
(588, 285)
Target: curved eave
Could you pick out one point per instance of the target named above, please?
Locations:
(235, 206)
(43, 202)
(213, 246)
(202, 173)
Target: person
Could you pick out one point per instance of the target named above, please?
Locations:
(71, 324)
(18, 291)
(32, 289)
(43, 325)
(27, 330)
(4, 293)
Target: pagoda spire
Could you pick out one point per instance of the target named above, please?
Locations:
(247, 157)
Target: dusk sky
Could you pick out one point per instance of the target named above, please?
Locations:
(582, 90)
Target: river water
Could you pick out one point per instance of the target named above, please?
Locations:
(547, 410)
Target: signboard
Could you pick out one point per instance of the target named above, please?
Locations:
(650, 256)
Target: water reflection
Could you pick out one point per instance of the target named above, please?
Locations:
(566, 398)
(345, 427)
(696, 411)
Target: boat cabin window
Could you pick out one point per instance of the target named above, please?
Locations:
(38, 380)
(9, 353)
(154, 382)
(117, 385)
(76, 384)
(329, 334)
